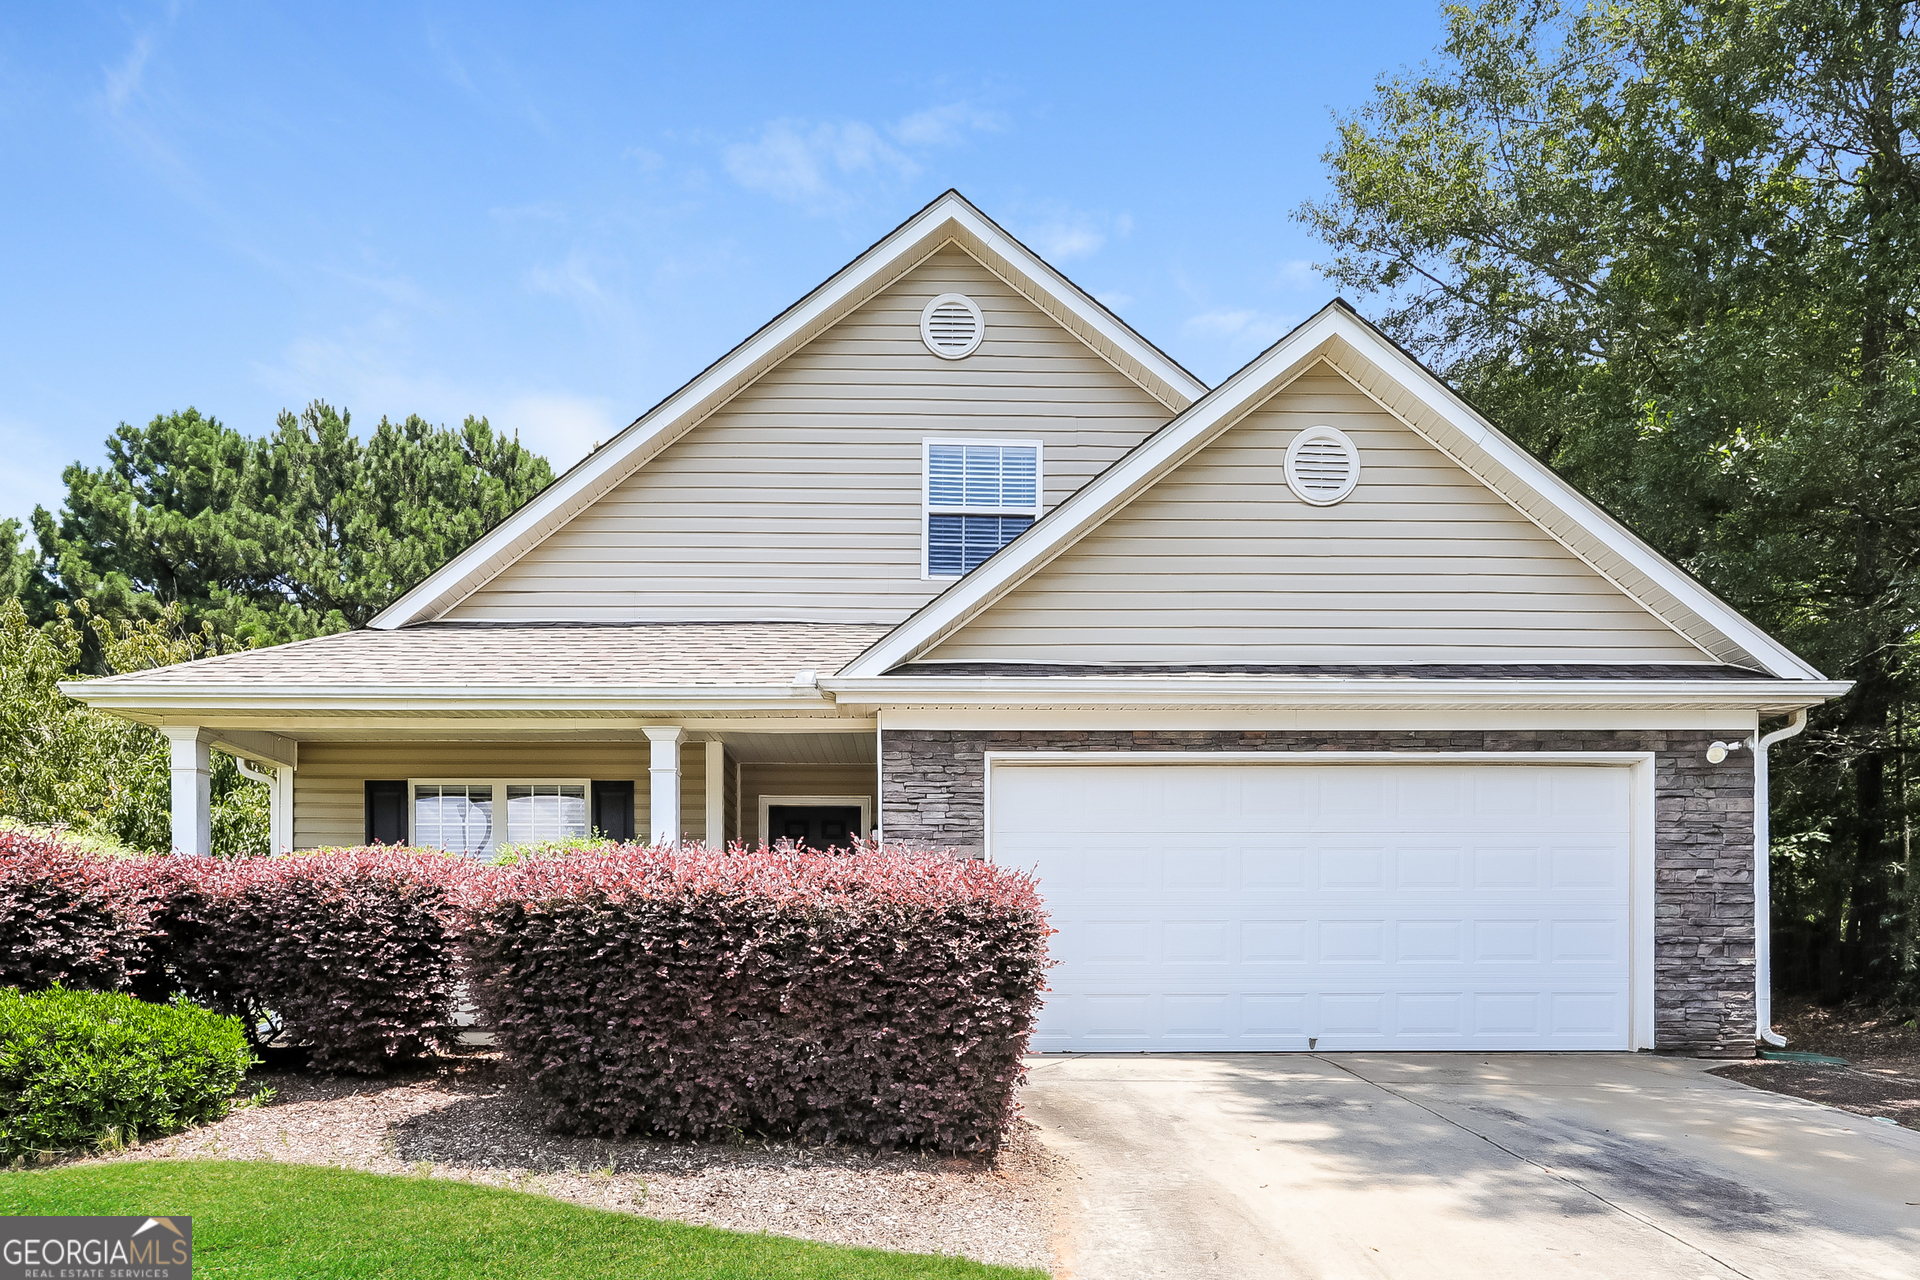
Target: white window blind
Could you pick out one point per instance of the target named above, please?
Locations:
(545, 811)
(457, 817)
(476, 818)
(980, 497)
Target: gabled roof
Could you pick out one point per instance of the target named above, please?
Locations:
(948, 220)
(1411, 393)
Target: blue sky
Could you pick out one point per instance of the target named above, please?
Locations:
(553, 215)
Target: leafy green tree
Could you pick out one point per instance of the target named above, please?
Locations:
(62, 764)
(306, 531)
(16, 565)
(1672, 249)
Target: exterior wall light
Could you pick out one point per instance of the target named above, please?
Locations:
(1716, 752)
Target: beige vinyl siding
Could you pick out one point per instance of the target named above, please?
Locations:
(758, 780)
(329, 787)
(1401, 398)
(1219, 562)
(800, 500)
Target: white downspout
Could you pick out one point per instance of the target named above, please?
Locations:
(279, 802)
(1762, 888)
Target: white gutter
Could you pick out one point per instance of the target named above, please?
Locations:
(1210, 691)
(181, 696)
(1762, 888)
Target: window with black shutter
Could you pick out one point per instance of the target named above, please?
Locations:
(613, 809)
(387, 812)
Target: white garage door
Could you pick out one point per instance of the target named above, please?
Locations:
(1367, 906)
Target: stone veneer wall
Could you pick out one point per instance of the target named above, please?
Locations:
(933, 783)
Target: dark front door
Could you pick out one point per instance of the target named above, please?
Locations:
(817, 826)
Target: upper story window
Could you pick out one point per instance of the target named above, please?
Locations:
(980, 495)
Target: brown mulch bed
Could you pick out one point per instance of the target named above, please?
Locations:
(1882, 1049)
(466, 1117)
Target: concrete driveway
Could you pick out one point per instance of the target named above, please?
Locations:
(1439, 1165)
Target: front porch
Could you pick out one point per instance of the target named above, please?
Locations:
(477, 735)
(653, 782)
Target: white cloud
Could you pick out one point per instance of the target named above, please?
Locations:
(1059, 234)
(538, 212)
(143, 115)
(124, 80)
(1240, 332)
(358, 372)
(397, 290)
(807, 164)
(592, 283)
(946, 126)
(573, 277)
(822, 166)
(561, 426)
(1299, 275)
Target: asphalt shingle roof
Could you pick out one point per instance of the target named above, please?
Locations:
(442, 654)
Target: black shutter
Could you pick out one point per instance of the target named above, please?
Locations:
(613, 809)
(387, 812)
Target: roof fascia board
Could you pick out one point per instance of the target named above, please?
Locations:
(1240, 395)
(532, 699)
(948, 219)
(1333, 693)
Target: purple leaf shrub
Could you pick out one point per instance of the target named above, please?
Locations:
(880, 998)
(68, 917)
(347, 951)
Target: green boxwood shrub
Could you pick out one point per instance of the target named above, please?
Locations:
(81, 1067)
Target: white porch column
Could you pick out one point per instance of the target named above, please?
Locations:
(664, 797)
(716, 795)
(192, 788)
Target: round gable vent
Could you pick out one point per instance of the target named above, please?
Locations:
(951, 326)
(1322, 466)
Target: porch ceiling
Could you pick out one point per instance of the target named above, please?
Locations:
(800, 748)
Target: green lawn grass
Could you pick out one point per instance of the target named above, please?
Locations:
(252, 1218)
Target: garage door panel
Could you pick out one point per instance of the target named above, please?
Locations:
(1600, 865)
(1274, 867)
(1409, 927)
(1447, 1018)
(1597, 942)
(1429, 942)
(1430, 869)
(1352, 865)
(1269, 942)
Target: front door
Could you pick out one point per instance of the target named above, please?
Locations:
(817, 826)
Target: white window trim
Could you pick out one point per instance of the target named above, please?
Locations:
(1640, 823)
(499, 786)
(927, 509)
(865, 803)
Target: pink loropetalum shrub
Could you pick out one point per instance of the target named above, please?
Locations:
(347, 951)
(879, 997)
